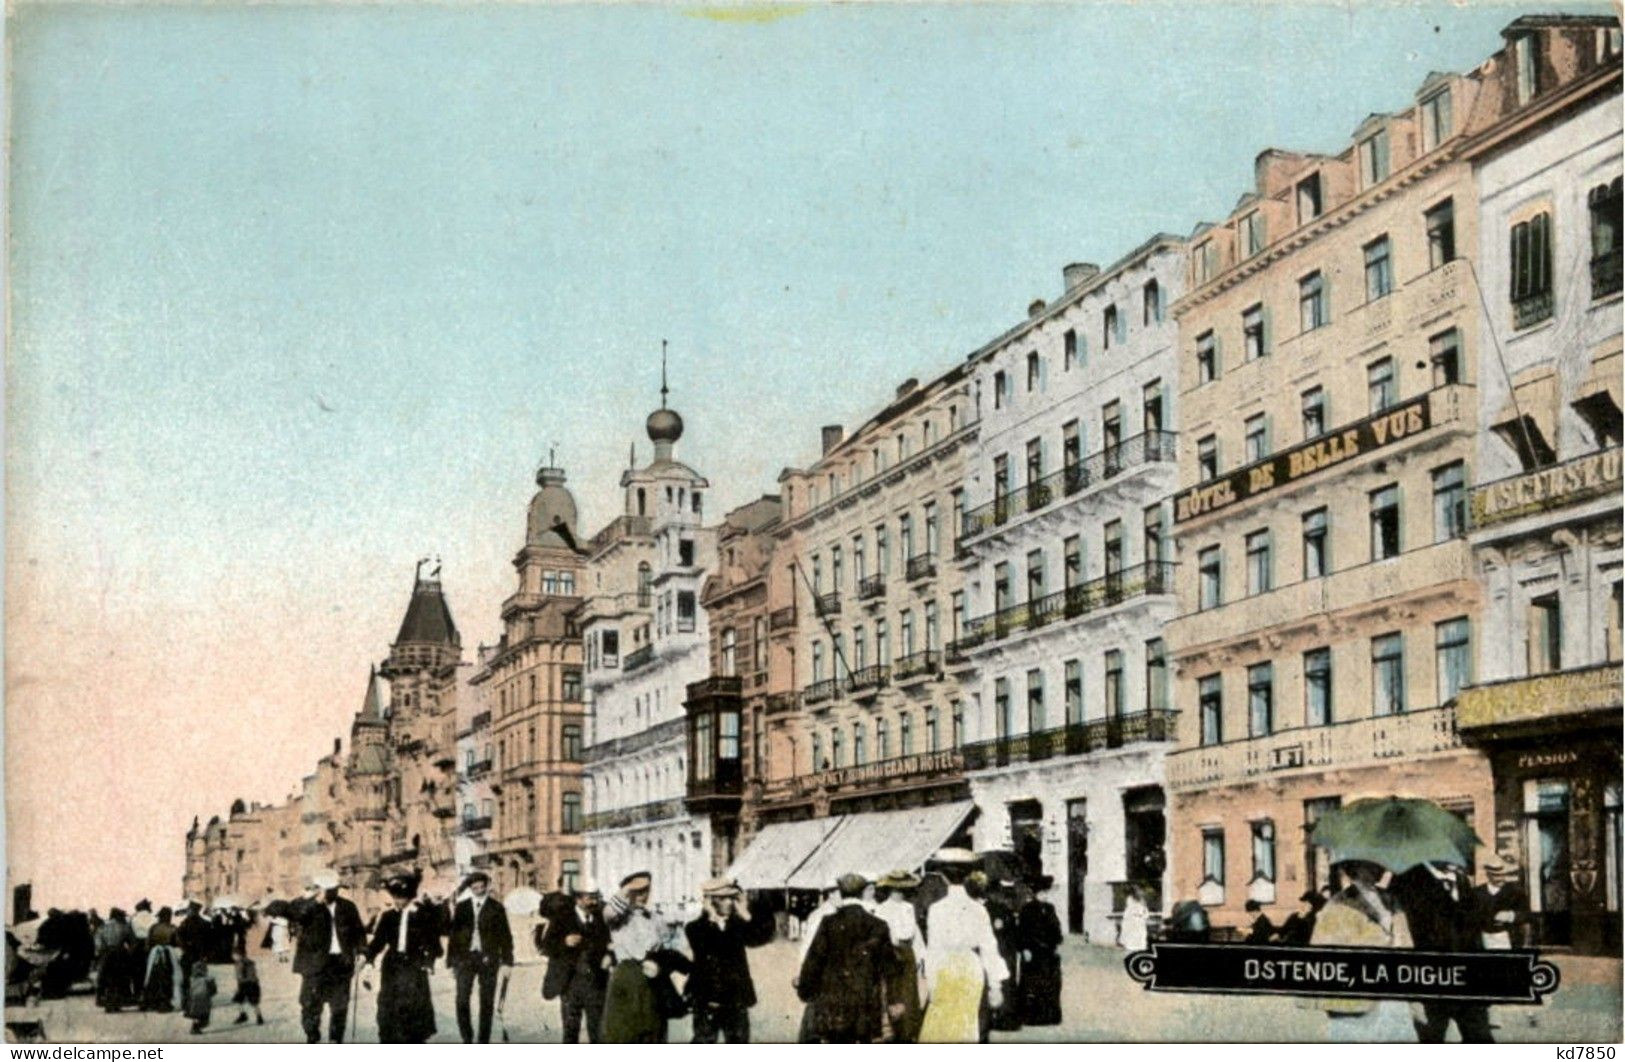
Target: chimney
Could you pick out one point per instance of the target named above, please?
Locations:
(1036, 307)
(832, 436)
(336, 742)
(1077, 274)
(906, 387)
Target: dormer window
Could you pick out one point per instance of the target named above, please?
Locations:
(1206, 261)
(1374, 158)
(1252, 233)
(1309, 199)
(1524, 60)
(1436, 119)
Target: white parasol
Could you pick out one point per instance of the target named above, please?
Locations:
(523, 901)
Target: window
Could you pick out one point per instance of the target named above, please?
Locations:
(1035, 574)
(905, 734)
(685, 553)
(570, 813)
(933, 627)
(1385, 522)
(1531, 271)
(1072, 560)
(572, 685)
(1252, 233)
(933, 530)
(1524, 59)
(1210, 702)
(860, 561)
(730, 658)
(1207, 458)
(1316, 554)
(1206, 261)
(1207, 359)
(905, 536)
(1604, 204)
(728, 736)
(1452, 657)
(882, 740)
(933, 729)
(1153, 535)
(1112, 551)
(1615, 621)
(1074, 692)
(685, 610)
(1317, 687)
(818, 661)
(1379, 269)
(1545, 639)
(1002, 716)
(1150, 303)
(999, 380)
(1035, 461)
(819, 763)
(1311, 302)
(906, 622)
(1387, 675)
(1252, 333)
(882, 552)
(1260, 700)
(1114, 684)
(837, 747)
(1035, 701)
(1071, 446)
(1264, 850)
(1208, 569)
(758, 644)
(1436, 126)
(1260, 575)
(1449, 501)
(956, 722)
(1151, 409)
(1156, 676)
(1069, 349)
(1256, 437)
(837, 570)
(571, 742)
(1034, 372)
(860, 755)
(882, 643)
(1441, 228)
(1213, 856)
(860, 649)
(1374, 158)
(1108, 327)
(1444, 354)
(1309, 199)
(1314, 412)
(1381, 386)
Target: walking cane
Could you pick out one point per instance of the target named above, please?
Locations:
(502, 1002)
(355, 997)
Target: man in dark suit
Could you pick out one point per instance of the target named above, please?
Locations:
(720, 986)
(479, 946)
(1444, 914)
(577, 948)
(844, 971)
(330, 935)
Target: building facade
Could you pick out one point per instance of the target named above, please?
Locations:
(1068, 583)
(535, 711)
(1329, 362)
(1546, 518)
(645, 641)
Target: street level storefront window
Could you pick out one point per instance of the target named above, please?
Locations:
(1317, 687)
(1440, 221)
(1388, 674)
(1209, 567)
(1385, 522)
(1453, 657)
(1213, 856)
(1263, 832)
(1210, 703)
(1260, 700)
(1316, 553)
(1449, 501)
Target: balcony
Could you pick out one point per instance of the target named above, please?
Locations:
(827, 605)
(1155, 577)
(1096, 469)
(922, 566)
(478, 824)
(1531, 309)
(866, 679)
(1605, 278)
(715, 686)
(478, 769)
(781, 703)
(872, 587)
(916, 667)
(409, 745)
(369, 815)
(620, 818)
(1538, 701)
(639, 657)
(1546, 489)
(480, 721)
(822, 690)
(1355, 743)
(782, 619)
(1074, 739)
(901, 772)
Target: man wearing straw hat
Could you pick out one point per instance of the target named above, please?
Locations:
(720, 986)
(330, 935)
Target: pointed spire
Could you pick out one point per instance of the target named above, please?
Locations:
(372, 706)
(663, 387)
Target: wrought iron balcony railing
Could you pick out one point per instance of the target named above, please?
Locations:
(916, 667)
(779, 703)
(868, 678)
(782, 619)
(1532, 309)
(1145, 448)
(872, 587)
(827, 604)
(1074, 739)
(1154, 577)
(922, 566)
(639, 657)
(822, 690)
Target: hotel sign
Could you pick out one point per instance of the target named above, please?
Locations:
(1373, 433)
(1539, 697)
(1550, 488)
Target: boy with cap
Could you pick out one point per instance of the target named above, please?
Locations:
(720, 986)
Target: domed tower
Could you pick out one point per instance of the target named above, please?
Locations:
(665, 491)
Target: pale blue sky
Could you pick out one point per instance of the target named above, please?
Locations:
(465, 231)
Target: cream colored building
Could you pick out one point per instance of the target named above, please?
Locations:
(1068, 584)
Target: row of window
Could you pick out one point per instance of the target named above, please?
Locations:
(754, 650)
(1384, 520)
(1075, 345)
(502, 813)
(883, 456)
(1073, 445)
(1453, 660)
(508, 693)
(907, 543)
(907, 645)
(510, 753)
(1113, 555)
(1036, 718)
(829, 749)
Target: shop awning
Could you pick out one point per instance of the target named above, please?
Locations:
(1527, 420)
(777, 850)
(873, 843)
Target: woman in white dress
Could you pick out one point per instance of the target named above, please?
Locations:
(1133, 930)
(1363, 916)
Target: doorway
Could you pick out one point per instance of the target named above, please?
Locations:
(1077, 862)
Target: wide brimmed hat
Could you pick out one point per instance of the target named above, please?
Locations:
(898, 879)
(718, 887)
(402, 886)
(476, 876)
(951, 857)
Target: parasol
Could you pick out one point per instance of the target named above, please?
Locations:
(523, 901)
(1397, 833)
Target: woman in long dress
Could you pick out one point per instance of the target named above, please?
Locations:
(964, 971)
(163, 961)
(115, 947)
(1363, 916)
(405, 1009)
(1133, 930)
(1038, 935)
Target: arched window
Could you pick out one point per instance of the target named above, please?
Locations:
(645, 583)
(643, 503)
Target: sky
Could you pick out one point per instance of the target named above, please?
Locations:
(300, 294)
